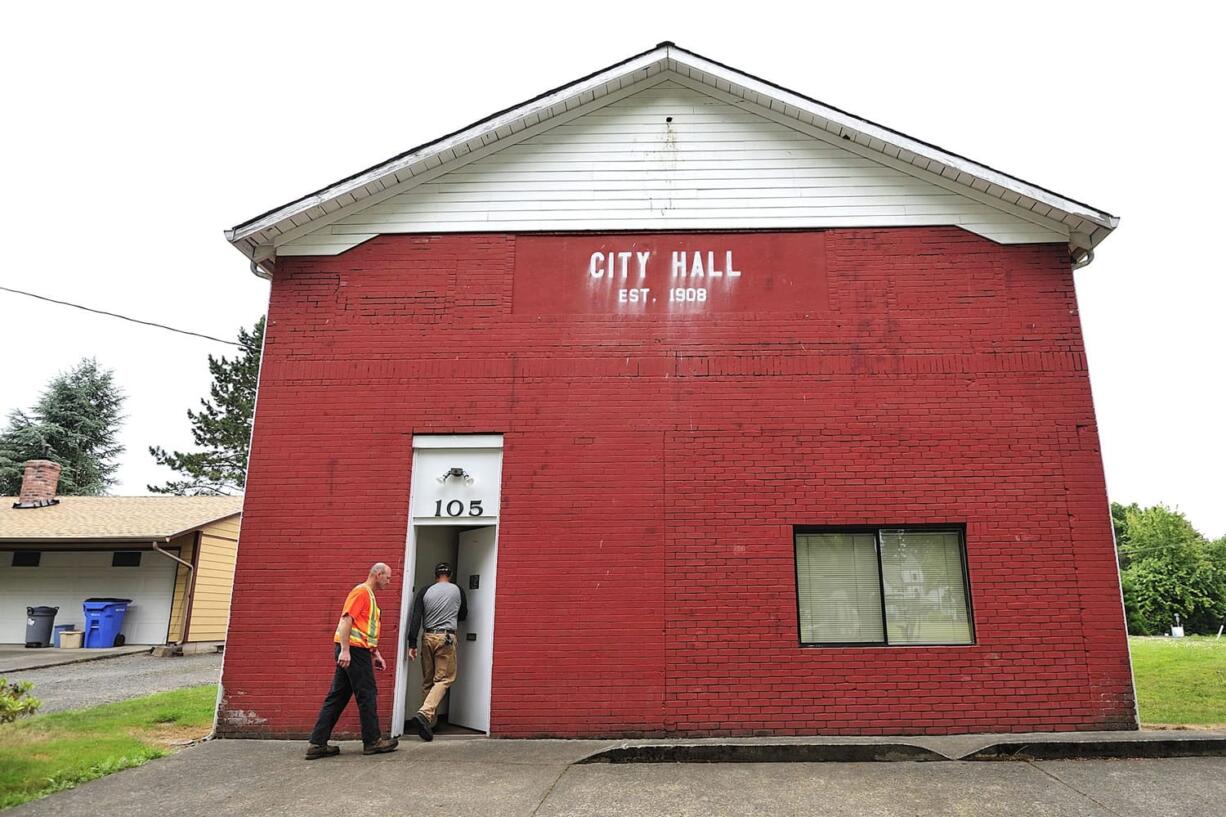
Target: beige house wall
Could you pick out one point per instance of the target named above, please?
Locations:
(210, 611)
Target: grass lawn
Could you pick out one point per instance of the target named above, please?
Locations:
(49, 753)
(1180, 681)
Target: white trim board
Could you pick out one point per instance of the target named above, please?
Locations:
(457, 441)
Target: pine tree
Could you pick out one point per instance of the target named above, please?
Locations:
(222, 428)
(74, 423)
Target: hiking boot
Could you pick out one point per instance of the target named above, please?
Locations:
(315, 751)
(423, 727)
(380, 746)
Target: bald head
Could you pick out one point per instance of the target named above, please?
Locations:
(380, 575)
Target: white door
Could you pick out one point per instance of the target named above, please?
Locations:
(475, 573)
(64, 579)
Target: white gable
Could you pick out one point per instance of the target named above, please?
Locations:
(672, 157)
(600, 154)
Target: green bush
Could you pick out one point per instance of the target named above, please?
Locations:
(1169, 569)
(16, 700)
(1137, 625)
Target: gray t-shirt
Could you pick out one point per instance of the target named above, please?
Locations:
(442, 606)
(439, 606)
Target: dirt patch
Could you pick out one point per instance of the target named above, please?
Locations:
(22, 737)
(170, 735)
(1185, 727)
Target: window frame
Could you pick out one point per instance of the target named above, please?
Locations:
(876, 530)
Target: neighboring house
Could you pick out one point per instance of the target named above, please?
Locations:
(173, 556)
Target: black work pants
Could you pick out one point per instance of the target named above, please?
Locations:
(358, 680)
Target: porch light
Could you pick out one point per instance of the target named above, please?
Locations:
(458, 473)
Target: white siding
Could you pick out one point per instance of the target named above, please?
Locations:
(65, 579)
(715, 165)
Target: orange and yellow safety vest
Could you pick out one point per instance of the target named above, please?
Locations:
(361, 607)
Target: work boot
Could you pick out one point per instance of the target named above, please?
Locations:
(423, 727)
(315, 751)
(380, 746)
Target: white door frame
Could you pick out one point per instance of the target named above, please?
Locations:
(406, 602)
(456, 443)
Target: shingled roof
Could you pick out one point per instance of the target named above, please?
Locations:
(113, 518)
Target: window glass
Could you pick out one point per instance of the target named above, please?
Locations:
(838, 587)
(925, 595)
(126, 558)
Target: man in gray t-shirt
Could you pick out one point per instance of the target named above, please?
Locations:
(438, 608)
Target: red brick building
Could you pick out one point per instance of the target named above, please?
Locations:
(740, 415)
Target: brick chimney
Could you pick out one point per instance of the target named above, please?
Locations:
(38, 484)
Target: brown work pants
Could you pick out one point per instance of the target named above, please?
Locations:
(438, 671)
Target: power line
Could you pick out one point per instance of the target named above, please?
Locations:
(1131, 551)
(121, 317)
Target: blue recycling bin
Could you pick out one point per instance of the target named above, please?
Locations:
(104, 622)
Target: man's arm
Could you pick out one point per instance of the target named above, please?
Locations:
(417, 616)
(343, 628)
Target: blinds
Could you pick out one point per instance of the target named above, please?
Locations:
(839, 594)
(925, 595)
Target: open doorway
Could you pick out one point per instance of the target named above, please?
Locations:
(472, 551)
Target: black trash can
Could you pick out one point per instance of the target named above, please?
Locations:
(39, 621)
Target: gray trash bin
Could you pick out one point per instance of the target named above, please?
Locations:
(39, 621)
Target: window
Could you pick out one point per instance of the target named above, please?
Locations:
(885, 586)
(125, 558)
(27, 558)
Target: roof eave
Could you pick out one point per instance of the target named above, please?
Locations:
(205, 524)
(895, 138)
(82, 540)
(490, 123)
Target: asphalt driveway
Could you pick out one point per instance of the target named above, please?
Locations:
(463, 776)
(72, 686)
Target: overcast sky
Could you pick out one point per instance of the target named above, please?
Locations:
(134, 134)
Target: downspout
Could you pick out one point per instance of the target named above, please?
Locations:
(191, 585)
(1083, 260)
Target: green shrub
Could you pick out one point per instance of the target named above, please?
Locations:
(1169, 569)
(16, 700)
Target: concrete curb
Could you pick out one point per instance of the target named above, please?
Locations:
(1058, 748)
(1103, 749)
(82, 660)
(764, 753)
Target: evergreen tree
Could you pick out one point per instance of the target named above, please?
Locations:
(74, 423)
(222, 428)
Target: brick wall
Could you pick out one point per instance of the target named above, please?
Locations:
(653, 471)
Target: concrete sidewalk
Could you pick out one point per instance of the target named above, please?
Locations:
(474, 776)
